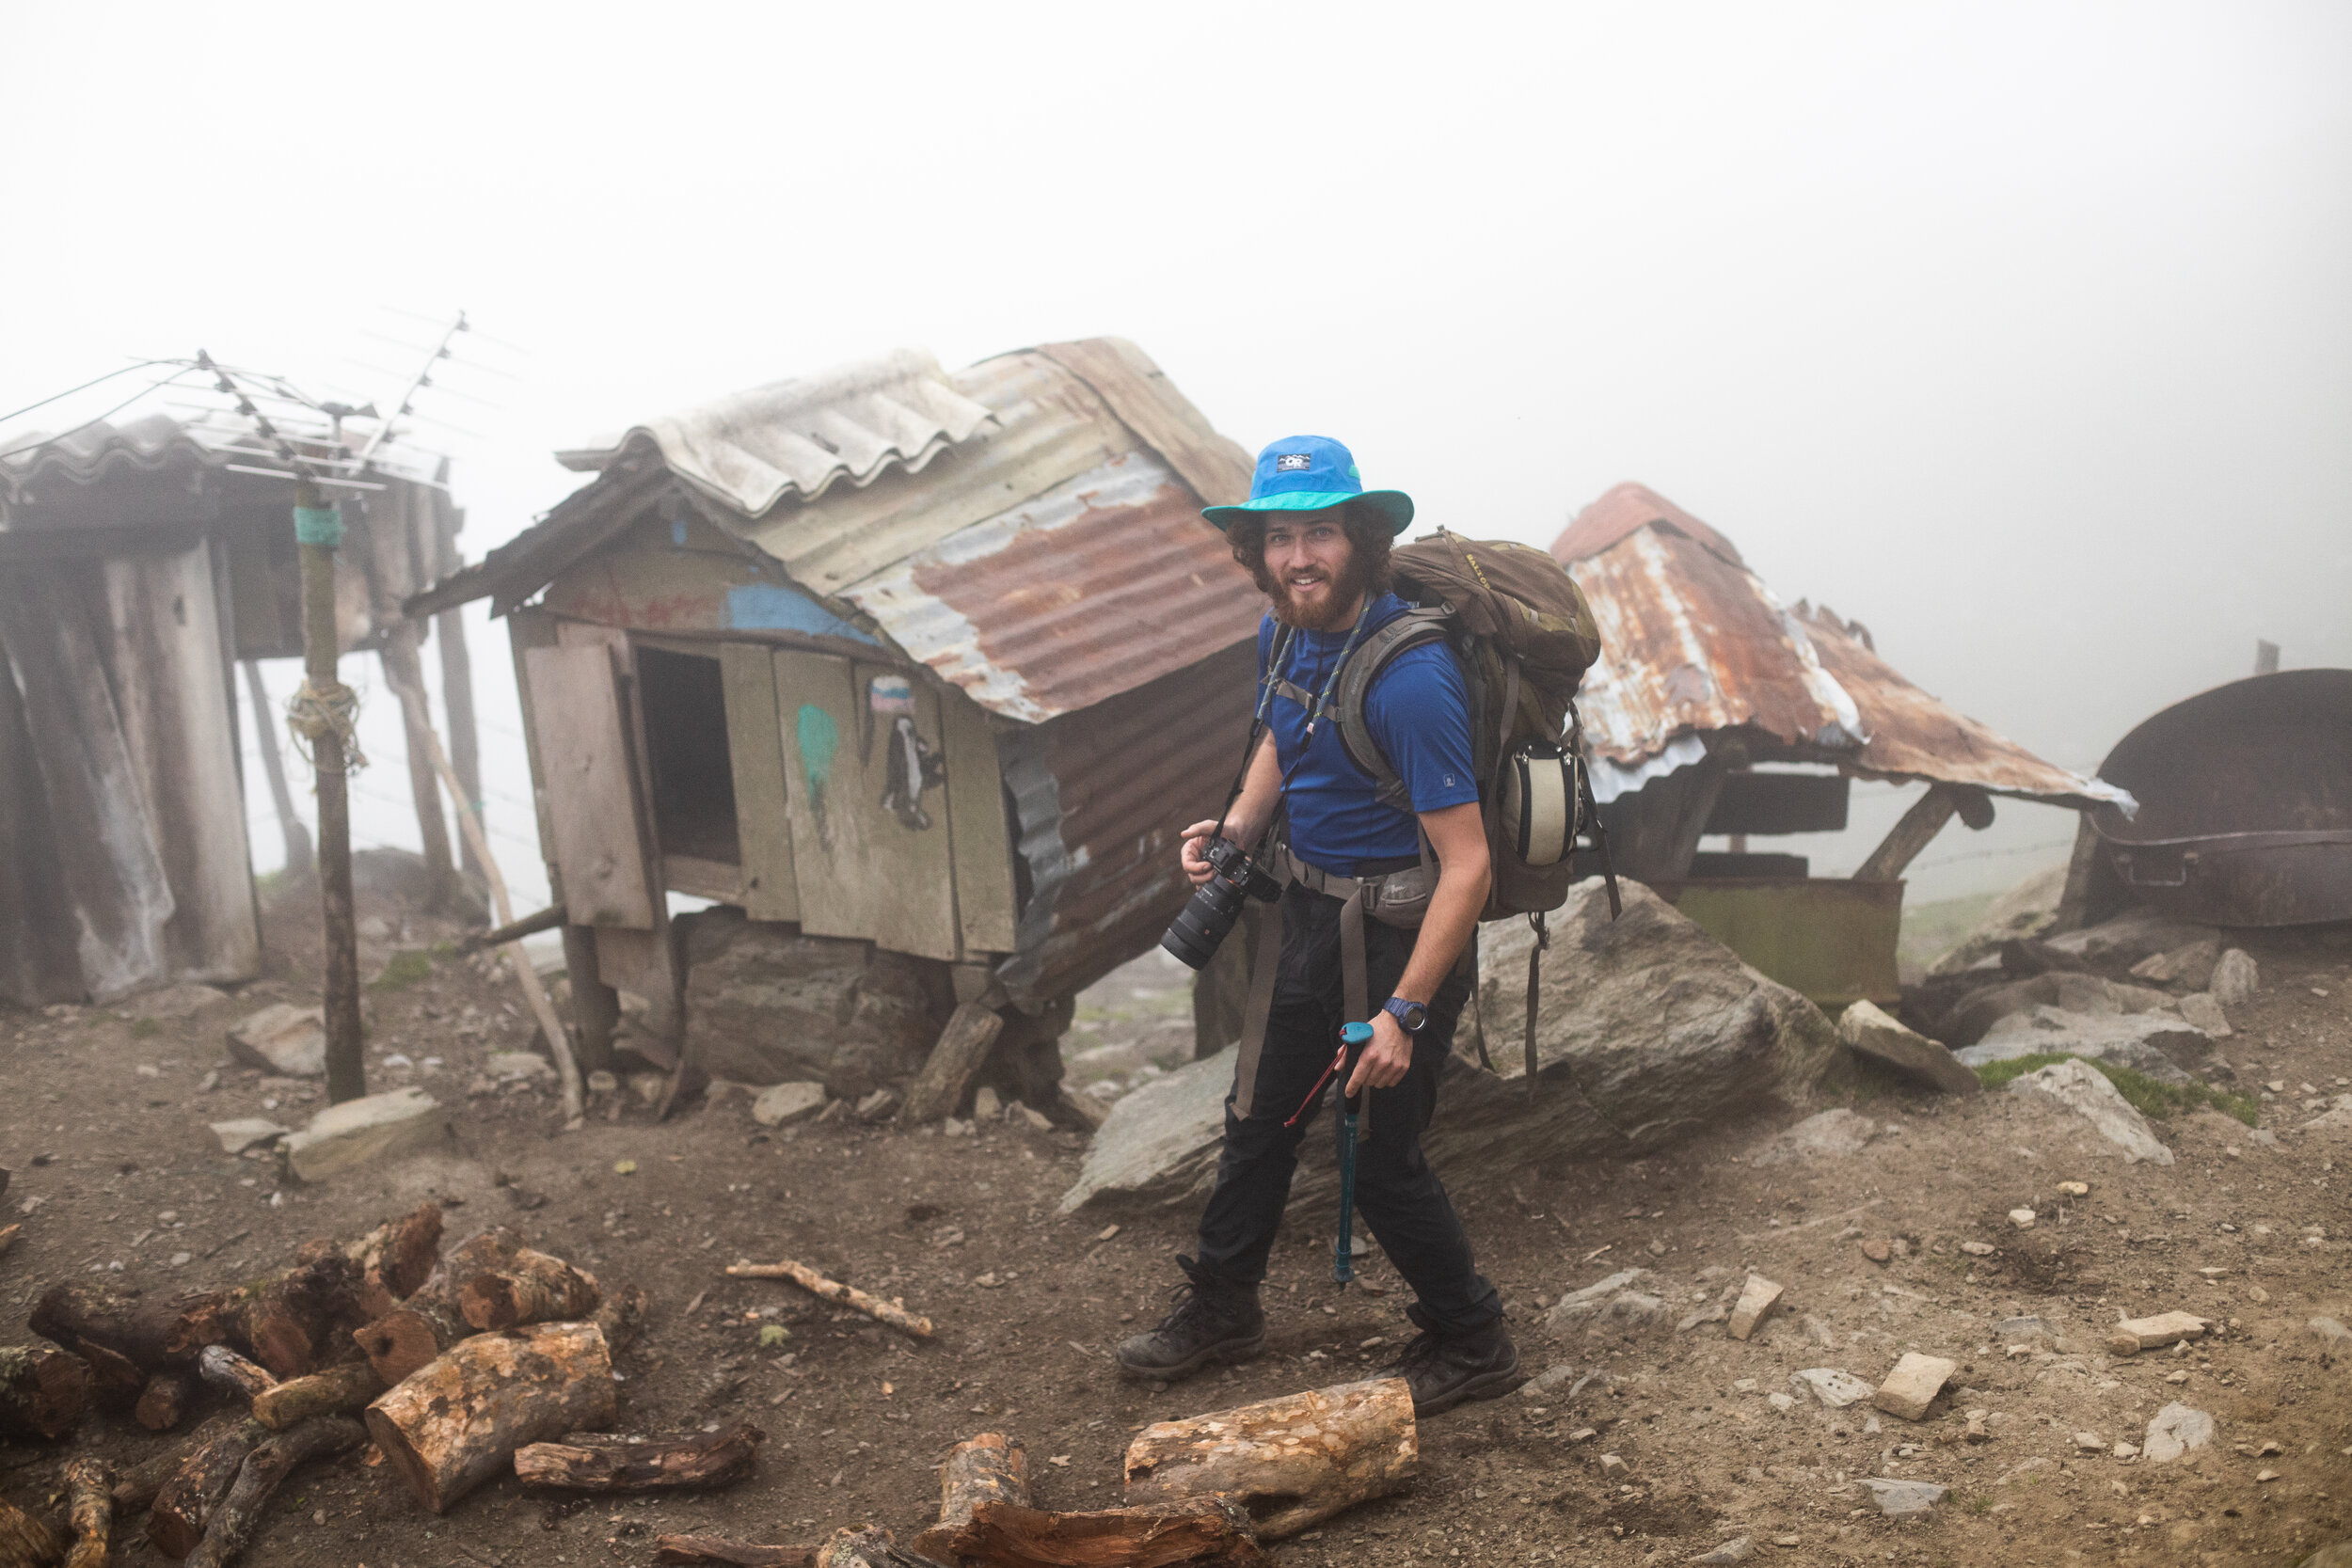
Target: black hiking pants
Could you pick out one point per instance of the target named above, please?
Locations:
(1402, 1203)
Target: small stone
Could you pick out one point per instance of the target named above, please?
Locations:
(2174, 1431)
(1787, 1540)
(1756, 1299)
(1897, 1498)
(247, 1132)
(2273, 1475)
(1738, 1549)
(1611, 1465)
(282, 1038)
(1978, 1249)
(506, 1065)
(2124, 1451)
(1783, 1402)
(1033, 1118)
(1877, 1250)
(1912, 1386)
(2270, 1448)
(1977, 1432)
(2074, 1189)
(2090, 1442)
(2020, 1218)
(2202, 1011)
(1548, 1379)
(2157, 1332)
(1582, 1435)
(1834, 1388)
(375, 1127)
(779, 1103)
(1107, 1233)
(952, 1127)
(2333, 1333)
(986, 1106)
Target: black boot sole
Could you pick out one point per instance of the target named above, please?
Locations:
(1485, 1386)
(1225, 1350)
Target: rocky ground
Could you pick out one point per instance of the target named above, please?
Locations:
(1656, 1444)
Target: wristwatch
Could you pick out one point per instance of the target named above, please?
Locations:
(1412, 1015)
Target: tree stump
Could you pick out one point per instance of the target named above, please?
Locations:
(987, 1468)
(164, 1402)
(43, 1390)
(609, 1464)
(177, 1517)
(456, 1423)
(396, 1258)
(239, 1514)
(698, 1550)
(1290, 1462)
(26, 1541)
(90, 1508)
(530, 1287)
(428, 1322)
(337, 1391)
(1197, 1533)
(955, 1060)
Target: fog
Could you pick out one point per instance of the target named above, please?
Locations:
(2019, 332)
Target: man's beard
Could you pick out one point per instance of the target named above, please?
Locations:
(1347, 589)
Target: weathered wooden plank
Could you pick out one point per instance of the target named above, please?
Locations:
(37, 961)
(763, 827)
(1139, 392)
(980, 838)
(591, 783)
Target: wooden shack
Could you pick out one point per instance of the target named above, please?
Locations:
(939, 662)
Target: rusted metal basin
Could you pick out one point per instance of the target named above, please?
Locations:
(2246, 802)
(1829, 938)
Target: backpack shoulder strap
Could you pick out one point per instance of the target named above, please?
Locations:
(1415, 629)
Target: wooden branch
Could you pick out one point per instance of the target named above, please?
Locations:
(337, 1391)
(288, 1322)
(43, 1390)
(115, 1380)
(428, 1324)
(696, 1550)
(149, 1333)
(611, 1465)
(164, 1402)
(232, 1374)
(808, 1279)
(91, 1509)
(233, 1523)
(531, 1288)
(458, 1422)
(26, 1540)
(396, 1258)
(177, 1517)
(140, 1484)
(1197, 1532)
(513, 930)
(622, 1318)
(955, 1060)
(8, 1234)
(989, 1468)
(1291, 1462)
(1913, 833)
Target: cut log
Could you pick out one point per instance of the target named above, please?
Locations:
(990, 1468)
(233, 1523)
(232, 1374)
(1197, 1532)
(114, 1380)
(609, 1464)
(1290, 1462)
(89, 1507)
(290, 1323)
(177, 1517)
(428, 1322)
(458, 1422)
(955, 1059)
(26, 1540)
(142, 1482)
(531, 1288)
(891, 1312)
(150, 1335)
(621, 1319)
(695, 1550)
(396, 1258)
(43, 1390)
(164, 1402)
(337, 1391)
(8, 1234)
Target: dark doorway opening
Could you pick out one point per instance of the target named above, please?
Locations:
(684, 702)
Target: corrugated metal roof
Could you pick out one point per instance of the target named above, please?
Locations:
(1694, 642)
(150, 445)
(796, 437)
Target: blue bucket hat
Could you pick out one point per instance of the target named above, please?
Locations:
(1307, 473)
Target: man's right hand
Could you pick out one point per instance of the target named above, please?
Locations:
(1195, 853)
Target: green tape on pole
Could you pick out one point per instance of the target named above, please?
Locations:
(319, 524)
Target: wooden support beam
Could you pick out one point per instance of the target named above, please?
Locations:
(1918, 827)
(405, 672)
(515, 930)
(265, 722)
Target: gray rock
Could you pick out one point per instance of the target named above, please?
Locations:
(2072, 992)
(2337, 1555)
(2158, 1044)
(1554, 1376)
(1738, 1549)
(2332, 1334)
(1650, 1033)
(1868, 1032)
(2117, 945)
(2236, 977)
(2174, 1431)
(767, 1004)
(1900, 1497)
(2200, 1010)
(1831, 1135)
(174, 1001)
(376, 1127)
(247, 1132)
(2085, 1090)
(517, 1064)
(1613, 1303)
(1834, 1387)
(782, 1102)
(2015, 1330)
(282, 1038)
(2188, 966)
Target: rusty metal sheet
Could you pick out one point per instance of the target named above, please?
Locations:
(1694, 642)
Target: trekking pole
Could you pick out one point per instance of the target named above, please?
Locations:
(1353, 1038)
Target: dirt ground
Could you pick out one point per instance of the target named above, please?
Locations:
(102, 1120)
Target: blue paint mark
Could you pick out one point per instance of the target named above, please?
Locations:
(768, 607)
(677, 532)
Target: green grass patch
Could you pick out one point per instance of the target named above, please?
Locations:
(2149, 1097)
(144, 1028)
(405, 968)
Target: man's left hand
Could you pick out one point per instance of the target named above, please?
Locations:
(1385, 1060)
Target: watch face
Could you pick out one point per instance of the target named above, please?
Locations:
(1410, 1014)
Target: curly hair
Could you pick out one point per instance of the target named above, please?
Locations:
(1367, 530)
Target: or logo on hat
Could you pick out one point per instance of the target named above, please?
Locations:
(1285, 461)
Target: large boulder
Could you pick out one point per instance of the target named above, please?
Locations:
(1649, 1032)
(2075, 991)
(767, 1004)
(2162, 1045)
(2084, 1089)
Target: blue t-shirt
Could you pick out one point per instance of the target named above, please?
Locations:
(1419, 714)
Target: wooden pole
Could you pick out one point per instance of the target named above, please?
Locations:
(449, 630)
(298, 856)
(891, 1312)
(346, 1063)
(402, 671)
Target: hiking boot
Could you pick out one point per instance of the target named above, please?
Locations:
(1215, 1320)
(1447, 1370)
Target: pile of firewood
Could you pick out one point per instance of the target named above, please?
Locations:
(459, 1367)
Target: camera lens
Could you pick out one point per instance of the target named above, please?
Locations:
(1202, 924)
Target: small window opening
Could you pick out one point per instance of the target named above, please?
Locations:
(684, 702)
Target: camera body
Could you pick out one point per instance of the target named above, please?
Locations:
(1200, 926)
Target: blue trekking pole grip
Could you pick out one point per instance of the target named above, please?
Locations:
(1353, 1038)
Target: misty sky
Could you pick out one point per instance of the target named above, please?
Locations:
(2020, 332)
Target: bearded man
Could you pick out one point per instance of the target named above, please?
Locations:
(1317, 545)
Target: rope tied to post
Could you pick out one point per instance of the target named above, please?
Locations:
(313, 714)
